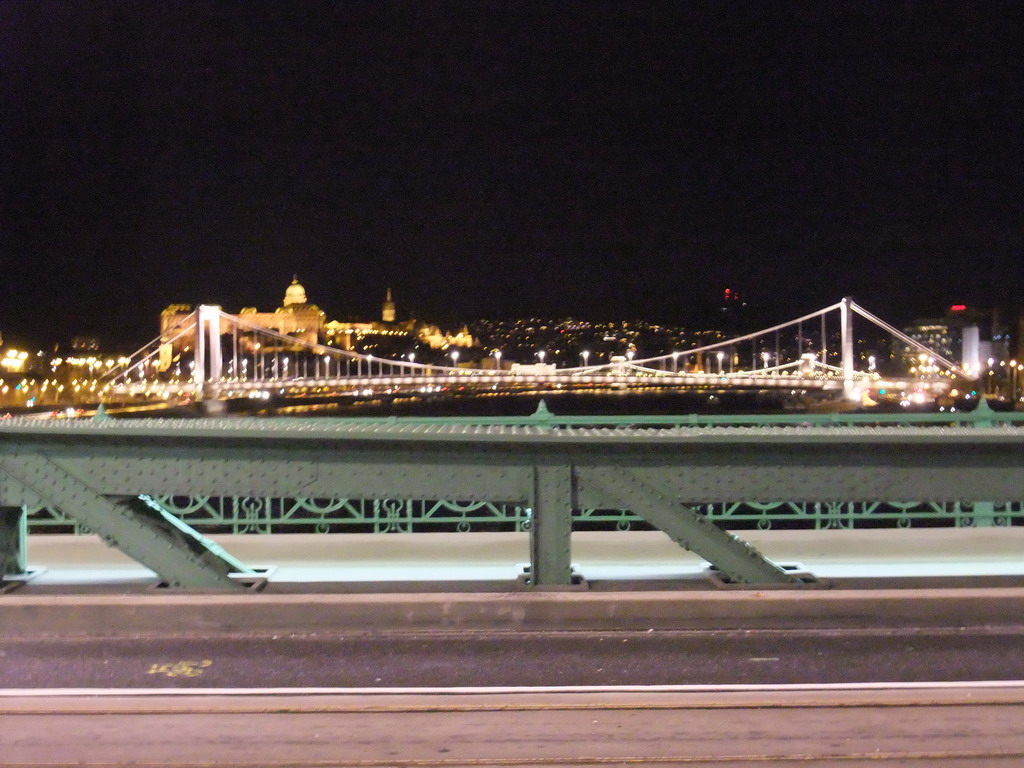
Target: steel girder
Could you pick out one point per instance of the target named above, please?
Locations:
(172, 550)
(659, 473)
(735, 559)
(13, 541)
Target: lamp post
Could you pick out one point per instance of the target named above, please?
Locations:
(541, 356)
(455, 358)
(585, 354)
(497, 360)
(721, 356)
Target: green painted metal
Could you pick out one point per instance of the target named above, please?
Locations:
(170, 551)
(13, 541)
(274, 515)
(737, 560)
(981, 416)
(551, 526)
(200, 541)
(562, 469)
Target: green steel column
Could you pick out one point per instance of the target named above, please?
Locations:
(13, 541)
(551, 526)
(984, 514)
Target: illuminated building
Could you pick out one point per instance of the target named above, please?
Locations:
(308, 324)
(957, 336)
(387, 314)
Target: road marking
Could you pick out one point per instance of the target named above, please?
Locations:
(185, 668)
(520, 689)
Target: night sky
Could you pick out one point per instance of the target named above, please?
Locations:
(610, 160)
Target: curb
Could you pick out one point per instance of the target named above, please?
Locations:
(108, 615)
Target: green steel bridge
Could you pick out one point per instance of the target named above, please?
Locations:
(154, 487)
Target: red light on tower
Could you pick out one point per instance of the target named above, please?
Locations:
(958, 308)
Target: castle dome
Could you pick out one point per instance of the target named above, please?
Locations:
(295, 293)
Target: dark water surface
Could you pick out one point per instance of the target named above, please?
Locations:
(559, 403)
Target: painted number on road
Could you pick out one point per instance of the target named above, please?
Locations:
(181, 668)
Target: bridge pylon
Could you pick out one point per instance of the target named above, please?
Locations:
(846, 346)
(208, 361)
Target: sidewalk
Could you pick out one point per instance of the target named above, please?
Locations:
(597, 556)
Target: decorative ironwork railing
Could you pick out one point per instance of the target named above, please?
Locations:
(238, 515)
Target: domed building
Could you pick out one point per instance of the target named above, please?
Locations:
(296, 318)
(307, 324)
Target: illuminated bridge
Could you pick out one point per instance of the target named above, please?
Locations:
(119, 478)
(211, 355)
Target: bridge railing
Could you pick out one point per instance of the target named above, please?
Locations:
(272, 515)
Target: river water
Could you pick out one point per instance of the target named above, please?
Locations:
(559, 403)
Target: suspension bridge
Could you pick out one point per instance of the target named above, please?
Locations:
(211, 355)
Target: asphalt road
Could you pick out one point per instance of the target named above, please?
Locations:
(481, 658)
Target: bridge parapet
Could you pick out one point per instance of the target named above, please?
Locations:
(663, 468)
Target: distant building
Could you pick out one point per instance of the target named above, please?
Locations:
(307, 324)
(387, 314)
(963, 336)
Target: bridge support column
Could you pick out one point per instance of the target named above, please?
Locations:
(551, 526)
(984, 514)
(846, 342)
(13, 541)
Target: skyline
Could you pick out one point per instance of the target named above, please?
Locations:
(496, 160)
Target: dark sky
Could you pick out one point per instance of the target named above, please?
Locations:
(598, 159)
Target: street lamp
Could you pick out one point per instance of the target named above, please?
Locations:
(721, 356)
(541, 356)
(497, 359)
(585, 354)
(455, 359)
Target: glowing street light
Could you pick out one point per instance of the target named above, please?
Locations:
(497, 359)
(585, 354)
(455, 358)
(541, 356)
(721, 356)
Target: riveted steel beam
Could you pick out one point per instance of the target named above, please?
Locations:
(13, 539)
(551, 526)
(734, 558)
(143, 534)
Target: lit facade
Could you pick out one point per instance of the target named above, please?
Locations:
(307, 324)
